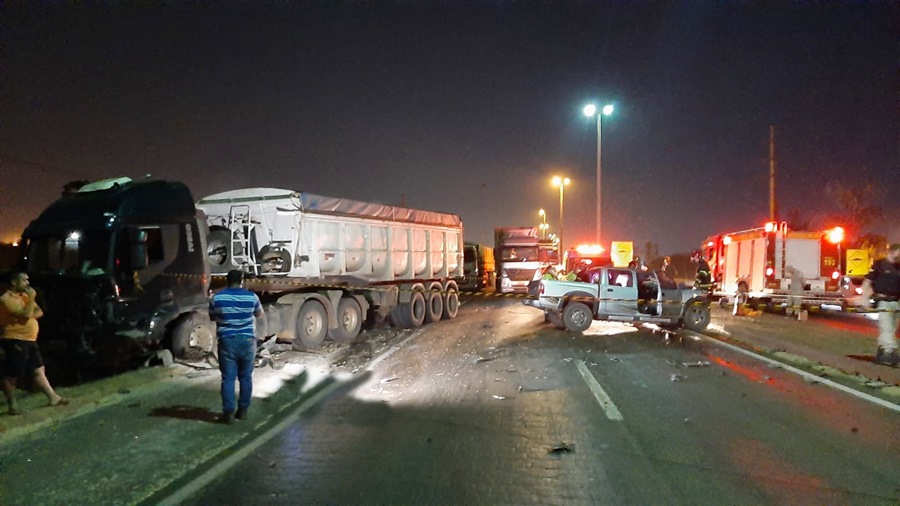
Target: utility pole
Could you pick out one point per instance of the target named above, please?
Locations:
(773, 208)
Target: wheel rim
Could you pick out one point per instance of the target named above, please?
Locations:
(349, 319)
(202, 338)
(312, 324)
(697, 316)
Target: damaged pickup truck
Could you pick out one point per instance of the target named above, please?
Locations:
(620, 294)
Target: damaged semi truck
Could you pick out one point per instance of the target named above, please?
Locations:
(123, 268)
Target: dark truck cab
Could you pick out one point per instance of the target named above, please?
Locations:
(120, 271)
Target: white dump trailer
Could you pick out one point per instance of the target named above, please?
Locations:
(324, 265)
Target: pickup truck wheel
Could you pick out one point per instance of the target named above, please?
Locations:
(349, 320)
(451, 303)
(556, 320)
(577, 317)
(312, 325)
(434, 307)
(696, 317)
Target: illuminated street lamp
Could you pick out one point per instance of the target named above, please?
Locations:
(543, 226)
(561, 182)
(590, 111)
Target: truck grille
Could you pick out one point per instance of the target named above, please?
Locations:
(520, 274)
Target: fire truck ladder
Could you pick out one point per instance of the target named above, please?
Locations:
(241, 226)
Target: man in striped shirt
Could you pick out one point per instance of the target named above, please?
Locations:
(234, 310)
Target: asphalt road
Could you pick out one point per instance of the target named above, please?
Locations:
(497, 408)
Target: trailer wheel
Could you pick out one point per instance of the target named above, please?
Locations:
(577, 317)
(349, 319)
(312, 325)
(696, 317)
(451, 302)
(218, 250)
(412, 314)
(556, 320)
(434, 306)
(194, 333)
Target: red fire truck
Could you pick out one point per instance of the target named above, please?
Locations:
(755, 263)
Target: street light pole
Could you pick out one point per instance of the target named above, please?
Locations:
(590, 110)
(561, 182)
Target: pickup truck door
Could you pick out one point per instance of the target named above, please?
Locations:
(618, 292)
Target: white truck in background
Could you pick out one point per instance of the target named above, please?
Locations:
(518, 258)
(328, 264)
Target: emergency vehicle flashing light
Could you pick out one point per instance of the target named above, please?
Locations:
(770, 226)
(589, 249)
(835, 235)
(835, 274)
(726, 240)
(769, 271)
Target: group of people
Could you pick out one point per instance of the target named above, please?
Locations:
(578, 273)
(234, 310)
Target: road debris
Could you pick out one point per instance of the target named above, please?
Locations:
(561, 449)
(678, 377)
(388, 380)
(699, 363)
(499, 397)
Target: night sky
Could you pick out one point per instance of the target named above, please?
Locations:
(462, 107)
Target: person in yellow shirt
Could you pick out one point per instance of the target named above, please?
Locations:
(20, 312)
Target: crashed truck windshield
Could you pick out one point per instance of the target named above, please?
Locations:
(85, 254)
(519, 254)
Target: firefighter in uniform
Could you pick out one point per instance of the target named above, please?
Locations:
(703, 279)
(882, 283)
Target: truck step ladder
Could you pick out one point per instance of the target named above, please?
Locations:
(241, 226)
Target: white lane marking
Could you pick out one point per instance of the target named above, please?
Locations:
(818, 379)
(377, 360)
(609, 407)
(197, 484)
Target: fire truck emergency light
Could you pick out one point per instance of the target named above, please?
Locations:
(726, 240)
(589, 249)
(835, 235)
(770, 226)
(835, 274)
(769, 271)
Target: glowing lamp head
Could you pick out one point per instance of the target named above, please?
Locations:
(590, 110)
(74, 236)
(835, 235)
(589, 249)
(608, 109)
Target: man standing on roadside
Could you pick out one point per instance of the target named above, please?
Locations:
(883, 284)
(234, 310)
(20, 349)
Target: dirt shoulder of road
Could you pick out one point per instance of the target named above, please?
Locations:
(827, 345)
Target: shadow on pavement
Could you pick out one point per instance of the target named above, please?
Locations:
(186, 413)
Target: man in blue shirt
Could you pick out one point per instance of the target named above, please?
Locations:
(234, 310)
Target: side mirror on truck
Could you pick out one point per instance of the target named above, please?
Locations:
(137, 247)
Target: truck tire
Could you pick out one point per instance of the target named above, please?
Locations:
(451, 302)
(274, 259)
(312, 325)
(577, 317)
(193, 334)
(349, 320)
(218, 250)
(434, 307)
(696, 317)
(412, 314)
(556, 320)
